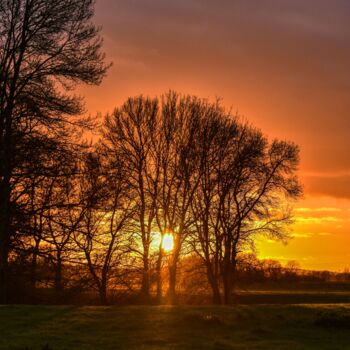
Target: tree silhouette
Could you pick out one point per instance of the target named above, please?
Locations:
(209, 179)
(46, 47)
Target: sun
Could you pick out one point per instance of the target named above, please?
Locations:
(168, 242)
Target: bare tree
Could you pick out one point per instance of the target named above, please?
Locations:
(46, 47)
(128, 135)
(241, 196)
(263, 182)
(44, 197)
(183, 121)
(218, 131)
(62, 219)
(104, 231)
(203, 176)
(157, 143)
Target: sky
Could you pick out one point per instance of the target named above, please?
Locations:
(282, 64)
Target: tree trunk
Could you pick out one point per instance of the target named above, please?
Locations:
(145, 286)
(226, 271)
(3, 267)
(58, 273)
(34, 264)
(4, 239)
(173, 269)
(159, 273)
(103, 292)
(227, 281)
(227, 288)
(214, 284)
(216, 295)
(172, 284)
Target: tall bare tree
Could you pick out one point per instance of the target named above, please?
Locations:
(46, 47)
(128, 135)
(107, 211)
(182, 121)
(218, 130)
(203, 176)
(241, 196)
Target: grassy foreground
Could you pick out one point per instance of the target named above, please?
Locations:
(165, 327)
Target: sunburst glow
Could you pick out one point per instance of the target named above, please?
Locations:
(168, 242)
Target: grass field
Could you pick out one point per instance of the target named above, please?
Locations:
(184, 327)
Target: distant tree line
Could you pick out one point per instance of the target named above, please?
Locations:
(78, 216)
(253, 270)
(254, 274)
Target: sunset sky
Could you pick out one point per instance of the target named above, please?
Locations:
(283, 64)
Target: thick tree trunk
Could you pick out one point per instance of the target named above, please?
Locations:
(103, 292)
(4, 239)
(172, 284)
(214, 284)
(216, 295)
(227, 281)
(3, 267)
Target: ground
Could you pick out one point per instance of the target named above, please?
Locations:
(179, 327)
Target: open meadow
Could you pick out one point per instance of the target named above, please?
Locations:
(270, 327)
